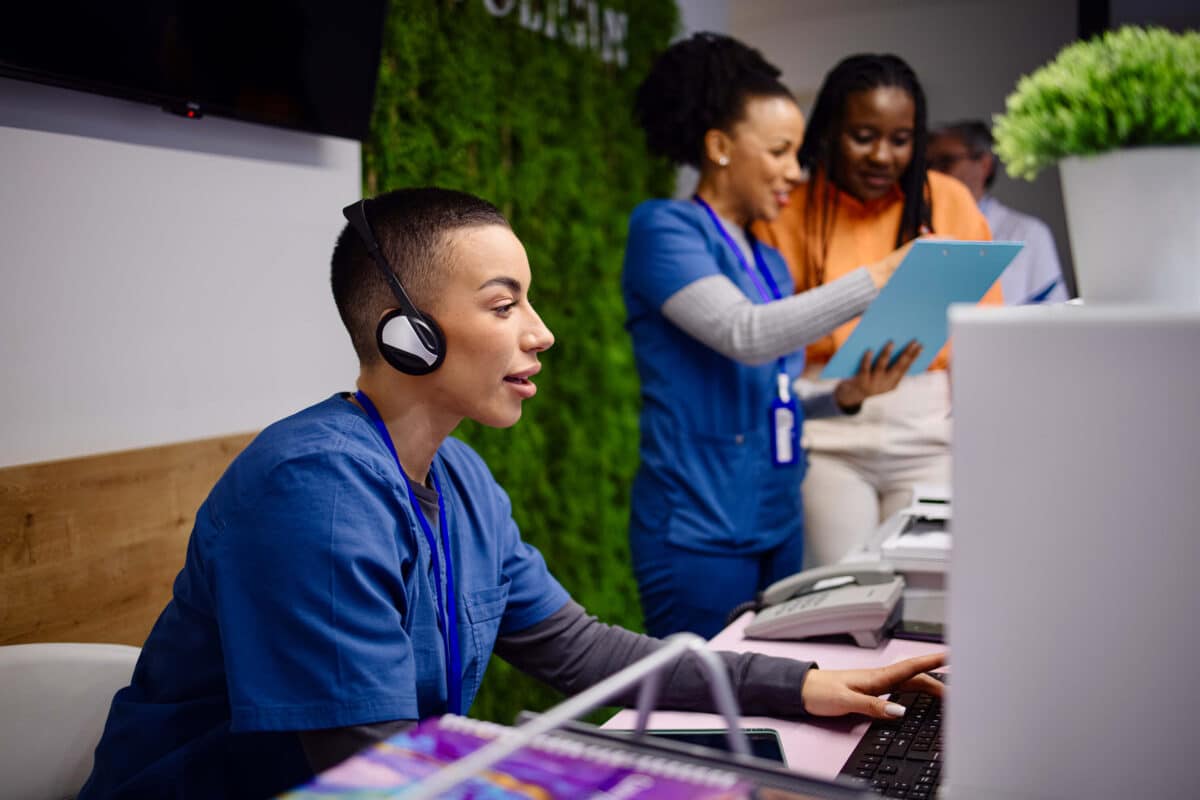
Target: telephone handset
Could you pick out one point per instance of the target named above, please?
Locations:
(860, 599)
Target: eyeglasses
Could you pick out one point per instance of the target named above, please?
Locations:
(945, 161)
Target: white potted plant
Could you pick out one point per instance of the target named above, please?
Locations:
(1120, 113)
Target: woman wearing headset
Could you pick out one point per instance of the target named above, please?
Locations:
(718, 337)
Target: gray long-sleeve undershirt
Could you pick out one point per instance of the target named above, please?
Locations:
(714, 311)
(571, 651)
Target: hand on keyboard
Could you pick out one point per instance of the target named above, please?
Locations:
(902, 757)
(834, 692)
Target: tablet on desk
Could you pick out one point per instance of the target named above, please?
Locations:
(913, 304)
(764, 742)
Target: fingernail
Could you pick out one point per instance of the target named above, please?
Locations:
(894, 710)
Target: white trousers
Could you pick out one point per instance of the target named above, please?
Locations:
(862, 468)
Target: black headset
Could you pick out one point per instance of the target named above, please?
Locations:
(407, 339)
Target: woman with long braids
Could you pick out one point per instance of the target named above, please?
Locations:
(867, 193)
(718, 338)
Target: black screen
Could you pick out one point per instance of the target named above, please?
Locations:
(303, 64)
(764, 742)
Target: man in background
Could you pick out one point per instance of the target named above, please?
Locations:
(963, 150)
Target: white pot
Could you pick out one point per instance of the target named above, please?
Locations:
(1134, 221)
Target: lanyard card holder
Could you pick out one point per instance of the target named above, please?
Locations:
(785, 433)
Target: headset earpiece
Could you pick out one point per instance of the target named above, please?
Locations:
(407, 339)
(411, 344)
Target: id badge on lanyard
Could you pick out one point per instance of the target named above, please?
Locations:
(785, 432)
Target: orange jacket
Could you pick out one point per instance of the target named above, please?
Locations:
(862, 233)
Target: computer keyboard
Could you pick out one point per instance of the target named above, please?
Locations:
(902, 757)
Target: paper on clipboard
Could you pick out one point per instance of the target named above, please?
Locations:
(913, 304)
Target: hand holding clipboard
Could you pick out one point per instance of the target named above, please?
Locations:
(912, 305)
(877, 373)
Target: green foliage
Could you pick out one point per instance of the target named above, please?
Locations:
(1127, 88)
(544, 130)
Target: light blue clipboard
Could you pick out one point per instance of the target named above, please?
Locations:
(913, 304)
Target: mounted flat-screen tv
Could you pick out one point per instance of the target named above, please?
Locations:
(303, 64)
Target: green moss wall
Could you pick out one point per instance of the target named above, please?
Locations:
(543, 129)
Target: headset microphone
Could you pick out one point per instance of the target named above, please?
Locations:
(409, 340)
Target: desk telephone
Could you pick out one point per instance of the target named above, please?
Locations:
(860, 599)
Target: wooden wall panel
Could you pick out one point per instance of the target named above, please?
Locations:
(89, 547)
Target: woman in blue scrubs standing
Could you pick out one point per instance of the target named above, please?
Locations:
(718, 339)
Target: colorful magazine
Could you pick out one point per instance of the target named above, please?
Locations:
(552, 767)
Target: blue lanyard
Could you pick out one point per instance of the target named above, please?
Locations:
(761, 263)
(447, 612)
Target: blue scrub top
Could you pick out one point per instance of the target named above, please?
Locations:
(307, 601)
(706, 479)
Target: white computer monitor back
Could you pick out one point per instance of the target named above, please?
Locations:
(1074, 608)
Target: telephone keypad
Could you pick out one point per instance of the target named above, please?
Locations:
(802, 603)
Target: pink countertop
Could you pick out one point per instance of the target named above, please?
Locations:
(815, 746)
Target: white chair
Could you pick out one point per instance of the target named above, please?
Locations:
(54, 699)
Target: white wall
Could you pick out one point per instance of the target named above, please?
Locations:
(967, 53)
(163, 279)
(703, 15)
